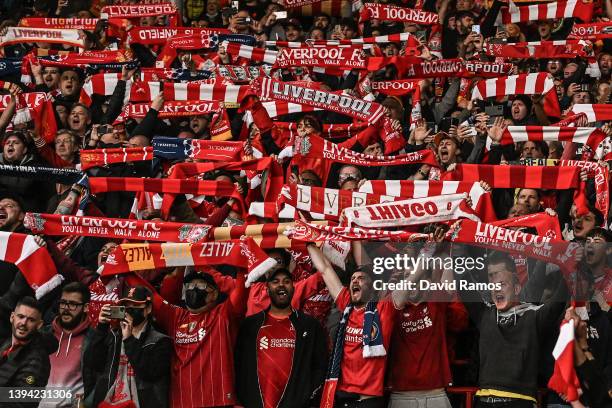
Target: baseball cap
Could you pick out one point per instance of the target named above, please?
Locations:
(206, 277)
(137, 295)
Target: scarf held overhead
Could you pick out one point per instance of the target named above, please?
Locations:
(367, 111)
(18, 35)
(103, 157)
(58, 225)
(240, 253)
(415, 211)
(548, 11)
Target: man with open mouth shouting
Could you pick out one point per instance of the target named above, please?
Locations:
(289, 359)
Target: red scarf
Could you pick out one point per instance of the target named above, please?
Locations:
(594, 112)
(600, 176)
(416, 211)
(240, 253)
(36, 107)
(19, 35)
(103, 157)
(545, 224)
(367, 111)
(345, 58)
(516, 176)
(114, 228)
(83, 59)
(592, 137)
(540, 49)
(272, 168)
(548, 11)
(74, 23)
(309, 232)
(481, 200)
(591, 31)
(523, 84)
(171, 109)
(142, 10)
(171, 186)
(161, 35)
(315, 147)
(33, 261)
(516, 242)
(386, 12)
(327, 203)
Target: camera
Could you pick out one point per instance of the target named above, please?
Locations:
(117, 312)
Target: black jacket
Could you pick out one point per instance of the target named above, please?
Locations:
(149, 356)
(309, 361)
(28, 366)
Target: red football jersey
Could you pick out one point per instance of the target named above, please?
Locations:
(275, 347)
(202, 372)
(420, 356)
(364, 376)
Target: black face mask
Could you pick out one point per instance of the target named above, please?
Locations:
(137, 315)
(195, 298)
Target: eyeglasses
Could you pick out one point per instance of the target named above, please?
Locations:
(69, 305)
(201, 286)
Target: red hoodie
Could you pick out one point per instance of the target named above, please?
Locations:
(66, 361)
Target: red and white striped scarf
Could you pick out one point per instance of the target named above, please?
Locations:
(253, 169)
(252, 53)
(144, 91)
(541, 49)
(315, 147)
(20, 35)
(540, 83)
(171, 109)
(412, 41)
(309, 232)
(592, 137)
(33, 261)
(103, 157)
(240, 253)
(516, 176)
(481, 200)
(594, 112)
(73, 23)
(83, 59)
(326, 203)
(363, 110)
(115, 228)
(161, 35)
(415, 211)
(548, 11)
(591, 31)
(142, 10)
(386, 12)
(345, 58)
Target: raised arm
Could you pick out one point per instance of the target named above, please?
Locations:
(331, 279)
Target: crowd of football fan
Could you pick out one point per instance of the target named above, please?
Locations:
(197, 337)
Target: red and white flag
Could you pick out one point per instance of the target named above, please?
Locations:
(564, 379)
(33, 261)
